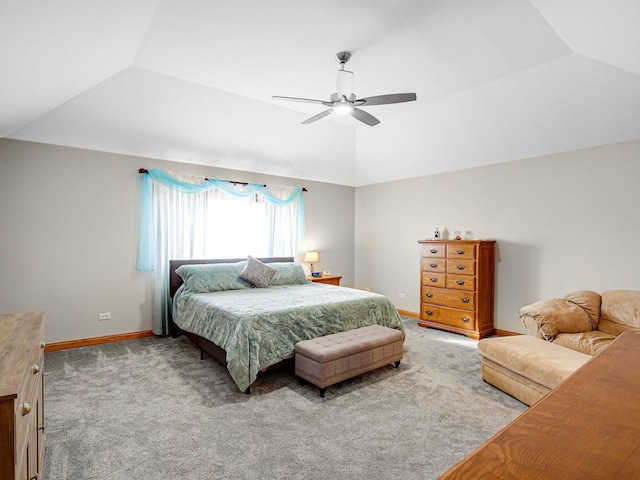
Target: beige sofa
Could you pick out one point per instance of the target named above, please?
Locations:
(563, 334)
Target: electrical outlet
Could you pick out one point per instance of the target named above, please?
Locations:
(104, 316)
(402, 295)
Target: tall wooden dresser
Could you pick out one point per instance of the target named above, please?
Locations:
(456, 286)
(21, 396)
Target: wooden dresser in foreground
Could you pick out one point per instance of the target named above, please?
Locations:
(588, 427)
(21, 396)
(456, 286)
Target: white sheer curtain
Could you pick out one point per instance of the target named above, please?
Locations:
(216, 224)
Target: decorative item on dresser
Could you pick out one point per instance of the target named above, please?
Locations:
(456, 286)
(21, 396)
(328, 279)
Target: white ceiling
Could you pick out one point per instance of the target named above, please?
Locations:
(192, 80)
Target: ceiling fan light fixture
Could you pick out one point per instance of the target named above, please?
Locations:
(342, 108)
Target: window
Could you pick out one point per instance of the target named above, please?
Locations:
(190, 217)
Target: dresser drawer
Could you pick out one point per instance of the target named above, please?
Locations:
(433, 264)
(25, 406)
(434, 250)
(461, 267)
(461, 282)
(449, 298)
(449, 316)
(31, 375)
(434, 279)
(461, 251)
(25, 416)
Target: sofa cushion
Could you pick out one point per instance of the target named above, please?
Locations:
(589, 301)
(620, 311)
(574, 313)
(591, 343)
(543, 362)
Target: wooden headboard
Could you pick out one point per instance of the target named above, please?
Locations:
(175, 280)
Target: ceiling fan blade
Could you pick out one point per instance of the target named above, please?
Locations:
(317, 117)
(364, 117)
(306, 100)
(387, 99)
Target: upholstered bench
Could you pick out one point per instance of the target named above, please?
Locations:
(327, 360)
(527, 367)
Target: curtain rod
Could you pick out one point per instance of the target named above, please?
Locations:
(144, 170)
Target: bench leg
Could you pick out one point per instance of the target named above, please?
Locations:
(201, 354)
(397, 363)
(322, 392)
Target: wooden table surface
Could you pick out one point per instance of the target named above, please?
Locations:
(586, 428)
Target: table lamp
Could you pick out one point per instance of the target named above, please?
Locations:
(311, 257)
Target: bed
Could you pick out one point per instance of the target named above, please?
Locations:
(251, 329)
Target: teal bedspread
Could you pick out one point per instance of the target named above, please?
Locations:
(259, 327)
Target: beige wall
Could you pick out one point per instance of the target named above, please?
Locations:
(68, 230)
(562, 222)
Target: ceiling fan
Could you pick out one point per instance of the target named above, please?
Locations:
(344, 101)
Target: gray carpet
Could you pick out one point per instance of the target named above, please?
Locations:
(150, 409)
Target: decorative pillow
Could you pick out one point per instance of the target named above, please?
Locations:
(288, 273)
(257, 273)
(212, 277)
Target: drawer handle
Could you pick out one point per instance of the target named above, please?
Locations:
(42, 344)
(25, 408)
(35, 369)
(465, 300)
(460, 282)
(429, 312)
(433, 265)
(460, 267)
(465, 319)
(434, 279)
(460, 252)
(433, 250)
(429, 295)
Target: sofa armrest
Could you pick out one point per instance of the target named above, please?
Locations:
(532, 327)
(577, 312)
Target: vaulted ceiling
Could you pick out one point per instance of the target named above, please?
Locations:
(192, 81)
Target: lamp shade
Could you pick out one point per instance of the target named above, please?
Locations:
(311, 257)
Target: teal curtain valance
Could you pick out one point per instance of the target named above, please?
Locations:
(146, 239)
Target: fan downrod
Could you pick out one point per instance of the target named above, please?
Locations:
(343, 57)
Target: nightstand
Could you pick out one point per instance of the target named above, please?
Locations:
(329, 279)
